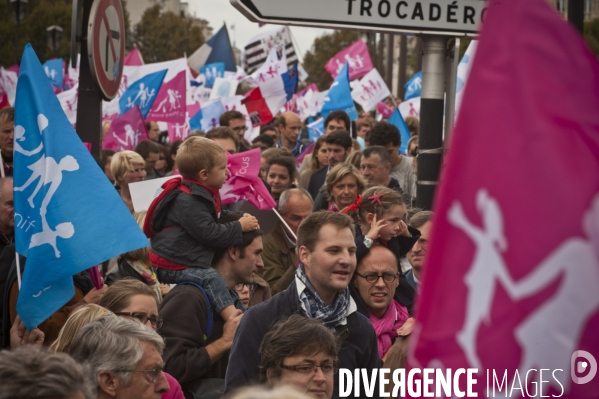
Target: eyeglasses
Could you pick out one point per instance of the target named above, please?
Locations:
(150, 375)
(155, 321)
(373, 277)
(327, 368)
(423, 242)
(239, 129)
(240, 287)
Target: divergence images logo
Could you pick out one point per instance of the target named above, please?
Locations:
(580, 362)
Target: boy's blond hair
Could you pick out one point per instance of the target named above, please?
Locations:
(195, 154)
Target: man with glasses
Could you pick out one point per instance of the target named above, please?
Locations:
(235, 121)
(197, 339)
(373, 287)
(124, 357)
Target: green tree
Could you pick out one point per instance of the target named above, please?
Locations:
(163, 36)
(323, 48)
(591, 35)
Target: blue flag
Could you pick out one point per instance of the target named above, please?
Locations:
(413, 86)
(221, 50)
(54, 72)
(397, 120)
(316, 129)
(211, 114)
(195, 122)
(213, 71)
(68, 217)
(339, 96)
(142, 93)
(290, 80)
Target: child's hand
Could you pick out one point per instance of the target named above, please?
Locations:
(249, 223)
(375, 228)
(403, 229)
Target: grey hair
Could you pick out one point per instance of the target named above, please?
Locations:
(286, 195)
(113, 344)
(30, 373)
(420, 218)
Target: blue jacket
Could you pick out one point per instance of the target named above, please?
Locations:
(358, 351)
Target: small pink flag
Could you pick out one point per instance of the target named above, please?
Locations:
(384, 110)
(356, 56)
(511, 283)
(243, 183)
(126, 131)
(171, 101)
(134, 58)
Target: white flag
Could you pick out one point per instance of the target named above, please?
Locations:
(370, 90)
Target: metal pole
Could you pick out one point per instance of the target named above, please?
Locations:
(403, 63)
(381, 54)
(89, 101)
(418, 52)
(451, 78)
(389, 68)
(576, 14)
(431, 118)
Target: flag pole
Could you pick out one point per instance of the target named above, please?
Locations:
(18, 261)
(285, 223)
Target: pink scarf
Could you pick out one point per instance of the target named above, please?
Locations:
(386, 328)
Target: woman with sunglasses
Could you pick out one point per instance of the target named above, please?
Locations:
(302, 352)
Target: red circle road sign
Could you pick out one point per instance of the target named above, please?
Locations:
(106, 45)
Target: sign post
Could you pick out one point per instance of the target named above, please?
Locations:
(435, 20)
(101, 69)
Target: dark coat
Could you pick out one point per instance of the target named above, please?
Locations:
(359, 348)
(184, 312)
(317, 180)
(188, 228)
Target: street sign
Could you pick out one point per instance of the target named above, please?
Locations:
(106, 45)
(441, 17)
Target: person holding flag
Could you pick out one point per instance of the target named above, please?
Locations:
(55, 206)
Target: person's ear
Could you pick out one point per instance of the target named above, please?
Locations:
(203, 175)
(108, 383)
(388, 167)
(303, 254)
(269, 376)
(369, 217)
(233, 253)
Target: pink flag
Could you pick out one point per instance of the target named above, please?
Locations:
(384, 110)
(512, 278)
(178, 131)
(170, 104)
(356, 56)
(126, 131)
(134, 58)
(243, 183)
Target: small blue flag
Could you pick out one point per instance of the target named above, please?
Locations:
(54, 72)
(68, 217)
(221, 50)
(397, 120)
(211, 114)
(142, 93)
(316, 129)
(195, 122)
(290, 80)
(213, 71)
(339, 96)
(413, 86)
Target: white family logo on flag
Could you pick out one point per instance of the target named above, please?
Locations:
(51, 73)
(370, 89)
(131, 138)
(48, 171)
(144, 96)
(578, 285)
(354, 63)
(173, 97)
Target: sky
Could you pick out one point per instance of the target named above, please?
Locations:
(219, 11)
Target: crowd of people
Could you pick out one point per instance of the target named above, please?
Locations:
(215, 305)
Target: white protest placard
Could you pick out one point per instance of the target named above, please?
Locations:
(144, 192)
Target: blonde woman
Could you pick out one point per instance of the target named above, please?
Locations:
(79, 318)
(127, 167)
(343, 185)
